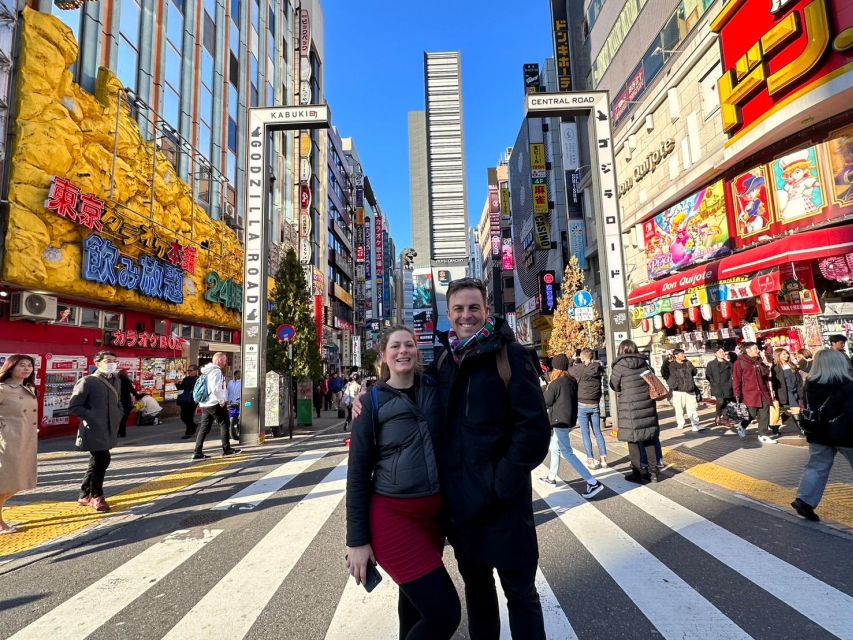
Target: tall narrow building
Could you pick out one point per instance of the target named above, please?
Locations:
(448, 220)
(419, 187)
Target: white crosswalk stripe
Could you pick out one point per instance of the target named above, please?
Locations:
(264, 568)
(82, 614)
(672, 605)
(651, 589)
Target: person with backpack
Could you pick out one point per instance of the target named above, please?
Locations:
(828, 400)
(393, 497)
(96, 401)
(212, 396)
(561, 398)
(187, 403)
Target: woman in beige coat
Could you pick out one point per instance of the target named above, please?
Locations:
(18, 430)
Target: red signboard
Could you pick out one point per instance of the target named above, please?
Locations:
(772, 51)
(635, 85)
(318, 319)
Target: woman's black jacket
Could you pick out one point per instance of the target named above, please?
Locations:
(395, 456)
(561, 399)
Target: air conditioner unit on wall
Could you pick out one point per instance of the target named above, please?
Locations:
(228, 211)
(26, 305)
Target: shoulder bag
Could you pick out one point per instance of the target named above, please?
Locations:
(657, 389)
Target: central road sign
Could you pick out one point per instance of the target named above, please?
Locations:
(582, 298)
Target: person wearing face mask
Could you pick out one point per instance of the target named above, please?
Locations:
(96, 401)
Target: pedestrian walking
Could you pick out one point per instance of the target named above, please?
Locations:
(678, 374)
(317, 396)
(589, 374)
(804, 362)
(393, 498)
(751, 385)
(787, 388)
(18, 430)
(497, 432)
(234, 390)
(336, 384)
(828, 395)
(129, 396)
(96, 401)
(637, 413)
(350, 393)
(187, 403)
(213, 400)
(326, 392)
(561, 400)
(718, 372)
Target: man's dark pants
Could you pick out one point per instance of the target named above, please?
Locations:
(209, 415)
(525, 609)
(188, 418)
(93, 481)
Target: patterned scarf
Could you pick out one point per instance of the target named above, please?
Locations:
(458, 347)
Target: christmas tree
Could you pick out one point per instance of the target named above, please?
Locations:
(291, 304)
(568, 334)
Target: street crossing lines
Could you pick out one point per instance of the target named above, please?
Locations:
(556, 623)
(263, 569)
(822, 603)
(365, 615)
(84, 613)
(670, 604)
(253, 495)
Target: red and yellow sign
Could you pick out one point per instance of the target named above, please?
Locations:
(776, 50)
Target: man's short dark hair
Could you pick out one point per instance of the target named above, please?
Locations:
(675, 352)
(586, 352)
(467, 283)
(749, 345)
(103, 354)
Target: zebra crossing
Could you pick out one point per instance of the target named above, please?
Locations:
(293, 567)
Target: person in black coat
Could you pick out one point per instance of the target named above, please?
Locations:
(718, 372)
(787, 387)
(561, 399)
(497, 431)
(187, 403)
(637, 414)
(828, 394)
(128, 399)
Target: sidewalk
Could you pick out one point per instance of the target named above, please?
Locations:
(152, 463)
(766, 473)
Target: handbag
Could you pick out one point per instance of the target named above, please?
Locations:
(775, 414)
(736, 412)
(657, 390)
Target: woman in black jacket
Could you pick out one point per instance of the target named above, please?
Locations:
(788, 387)
(393, 496)
(187, 403)
(637, 419)
(561, 399)
(719, 375)
(829, 396)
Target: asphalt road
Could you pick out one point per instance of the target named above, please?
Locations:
(260, 555)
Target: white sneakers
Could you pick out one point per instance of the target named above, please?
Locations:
(766, 440)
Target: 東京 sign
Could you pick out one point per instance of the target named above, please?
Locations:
(262, 121)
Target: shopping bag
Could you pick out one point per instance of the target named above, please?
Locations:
(736, 412)
(775, 414)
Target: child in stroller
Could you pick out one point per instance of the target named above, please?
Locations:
(148, 411)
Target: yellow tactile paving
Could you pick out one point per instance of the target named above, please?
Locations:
(41, 522)
(837, 503)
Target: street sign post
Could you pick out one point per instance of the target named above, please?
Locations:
(594, 106)
(262, 122)
(582, 298)
(584, 314)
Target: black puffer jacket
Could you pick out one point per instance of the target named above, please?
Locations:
(561, 399)
(494, 437)
(719, 375)
(637, 418)
(395, 457)
(589, 381)
(835, 428)
(679, 375)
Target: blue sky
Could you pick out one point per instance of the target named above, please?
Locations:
(374, 77)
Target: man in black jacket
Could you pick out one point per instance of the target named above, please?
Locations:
(718, 372)
(678, 374)
(496, 432)
(589, 373)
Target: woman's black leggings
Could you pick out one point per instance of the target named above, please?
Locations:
(429, 607)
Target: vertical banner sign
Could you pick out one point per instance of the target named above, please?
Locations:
(531, 78)
(547, 293)
(577, 241)
(569, 137)
(356, 351)
(318, 320)
(506, 211)
(537, 160)
(379, 265)
(539, 189)
(560, 19)
(495, 220)
(262, 122)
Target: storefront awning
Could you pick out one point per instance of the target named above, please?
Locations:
(809, 245)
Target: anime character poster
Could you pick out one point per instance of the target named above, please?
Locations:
(694, 230)
(753, 209)
(839, 167)
(797, 185)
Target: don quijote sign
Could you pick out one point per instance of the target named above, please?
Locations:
(647, 166)
(687, 281)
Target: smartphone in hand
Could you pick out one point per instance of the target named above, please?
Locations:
(373, 577)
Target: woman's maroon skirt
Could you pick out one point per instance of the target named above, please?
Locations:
(405, 535)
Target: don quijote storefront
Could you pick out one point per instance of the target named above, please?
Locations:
(103, 245)
(764, 250)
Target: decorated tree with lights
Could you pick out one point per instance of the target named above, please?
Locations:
(568, 334)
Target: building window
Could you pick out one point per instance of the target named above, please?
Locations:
(127, 64)
(112, 321)
(90, 318)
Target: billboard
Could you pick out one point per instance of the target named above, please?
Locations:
(442, 277)
(692, 231)
(423, 305)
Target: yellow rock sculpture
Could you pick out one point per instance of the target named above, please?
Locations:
(61, 130)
